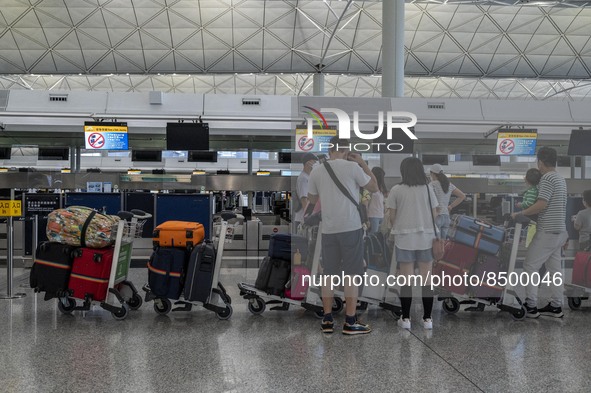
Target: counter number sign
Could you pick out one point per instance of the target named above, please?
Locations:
(11, 208)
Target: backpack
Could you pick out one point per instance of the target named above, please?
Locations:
(377, 253)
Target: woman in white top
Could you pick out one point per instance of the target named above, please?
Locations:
(375, 210)
(444, 190)
(412, 226)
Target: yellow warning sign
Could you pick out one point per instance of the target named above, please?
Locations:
(11, 208)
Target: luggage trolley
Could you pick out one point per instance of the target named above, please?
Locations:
(509, 300)
(218, 300)
(259, 299)
(121, 295)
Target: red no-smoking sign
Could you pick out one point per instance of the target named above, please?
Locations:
(507, 146)
(96, 140)
(305, 144)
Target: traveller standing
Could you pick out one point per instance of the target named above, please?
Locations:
(375, 210)
(444, 189)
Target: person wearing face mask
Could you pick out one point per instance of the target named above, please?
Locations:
(301, 203)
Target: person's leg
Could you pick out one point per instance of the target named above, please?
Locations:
(425, 269)
(407, 269)
(445, 225)
(540, 249)
(554, 267)
(374, 223)
(331, 260)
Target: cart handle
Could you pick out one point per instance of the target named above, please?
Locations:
(140, 214)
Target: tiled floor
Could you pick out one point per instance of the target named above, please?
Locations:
(45, 351)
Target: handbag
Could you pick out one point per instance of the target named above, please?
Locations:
(438, 247)
(361, 208)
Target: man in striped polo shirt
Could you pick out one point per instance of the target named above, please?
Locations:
(546, 246)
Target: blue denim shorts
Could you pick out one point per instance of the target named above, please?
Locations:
(412, 256)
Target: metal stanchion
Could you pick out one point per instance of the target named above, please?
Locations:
(10, 262)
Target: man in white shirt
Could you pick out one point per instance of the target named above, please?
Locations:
(342, 233)
(310, 161)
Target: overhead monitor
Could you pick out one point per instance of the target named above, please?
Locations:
(517, 142)
(580, 143)
(54, 153)
(202, 156)
(284, 157)
(146, 155)
(5, 153)
(431, 159)
(187, 136)
(105, 136)
(486, 160)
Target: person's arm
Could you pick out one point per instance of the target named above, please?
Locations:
(534, 209)
(312, 198)
(312, 189)
(460, 197)
(578, 224)
(392, 216)
(372, 185)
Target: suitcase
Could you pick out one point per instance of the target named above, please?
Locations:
(582, 269)
(263, 274)
(284, 245)
(165, 272)
(273, 276)
(377, 253)
(477, 234)
(375, 292)
(80, 226)
(90, 273)
(178, 234)
(457, 260)
(482, 268)
(51, 270)
(199, 279)
(298, 287)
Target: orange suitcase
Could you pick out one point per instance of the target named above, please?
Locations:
(178, 234)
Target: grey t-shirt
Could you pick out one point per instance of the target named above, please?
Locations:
(552, 189)
(584, 221)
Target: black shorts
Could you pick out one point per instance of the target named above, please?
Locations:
(343, 253)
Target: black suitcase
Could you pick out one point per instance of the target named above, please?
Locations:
(200, 273)
(264, 274)
(165, 272)
(278, 277)
(52, 267)
(284, 245)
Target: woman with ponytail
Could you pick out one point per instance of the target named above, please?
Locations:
(375, 210)
(444, 190)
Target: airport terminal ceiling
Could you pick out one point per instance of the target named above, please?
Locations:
(458, 49)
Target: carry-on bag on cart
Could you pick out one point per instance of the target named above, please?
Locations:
(457, 260)
(477, 234)
(298, 287)
(80, 226)
(484, 266)
(90, 273)
(165, 272)
(198, 281)
(284, 245)
(582, 269)
(273, 276)
(178, 234)
(52, 267)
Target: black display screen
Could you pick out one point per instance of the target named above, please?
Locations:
(187, 136)
(54, 153)
(580, 143)
(146, 155)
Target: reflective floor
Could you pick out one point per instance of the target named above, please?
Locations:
(45, 351)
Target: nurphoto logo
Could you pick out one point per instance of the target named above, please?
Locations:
(394, 120)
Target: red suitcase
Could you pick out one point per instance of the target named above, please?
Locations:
(582, 269)
(457, 260)
(486, 265)
(90, 273)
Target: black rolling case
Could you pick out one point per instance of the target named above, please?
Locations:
(200, 271)
(273, 275)
(52, 267)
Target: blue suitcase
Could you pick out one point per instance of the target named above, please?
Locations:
(166, 272)
(478, 234)
(284, 245)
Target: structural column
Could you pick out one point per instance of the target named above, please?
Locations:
(318, 84)
(393, 48)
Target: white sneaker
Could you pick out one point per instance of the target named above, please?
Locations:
(428, 323)
(404, 323)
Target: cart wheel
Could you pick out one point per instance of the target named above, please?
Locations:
(519, 315)
(451, 305)
(257, 306)
(574, 303)
(397, 314)
(66, 309)
(162, 306)
(226, 314)
(135, 301)
(337, 305)
(121, 314)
